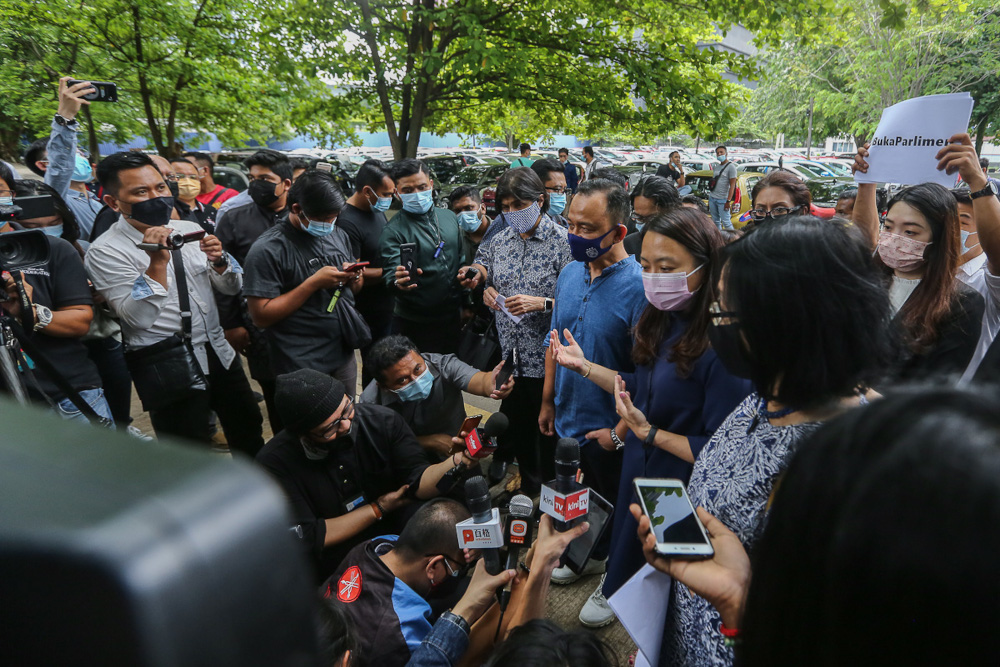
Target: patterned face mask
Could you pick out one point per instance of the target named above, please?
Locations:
(901, 252)
(522, 221)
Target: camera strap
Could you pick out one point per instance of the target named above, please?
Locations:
(27, 312)
(183, 298)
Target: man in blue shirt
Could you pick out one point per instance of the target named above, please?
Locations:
(599, 299)
(572, 177)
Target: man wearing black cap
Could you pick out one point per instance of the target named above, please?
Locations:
(345, 468)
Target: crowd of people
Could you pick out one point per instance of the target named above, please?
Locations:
(776, 370)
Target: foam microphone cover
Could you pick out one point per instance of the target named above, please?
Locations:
(496, 425)
(477, 495)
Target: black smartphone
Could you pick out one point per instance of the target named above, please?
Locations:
(470, 273)
(104, 91)
(509, 364)
(407, 260)
(598, 516)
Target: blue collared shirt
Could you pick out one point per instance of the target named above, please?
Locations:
(601, 315)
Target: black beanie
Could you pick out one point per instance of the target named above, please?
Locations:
(306, 398)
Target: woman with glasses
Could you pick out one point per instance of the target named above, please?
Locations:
(681, 390)
(803, 314)
(777, 195)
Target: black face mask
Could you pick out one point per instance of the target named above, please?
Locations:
(728, 345)
(446, 588)
(175, 189)
(154, 212)
(262, 192)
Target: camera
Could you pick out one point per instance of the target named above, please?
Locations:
(175, 241)
(28, 208)
(23, 249)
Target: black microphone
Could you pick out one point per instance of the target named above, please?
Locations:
(477, 497)
(517, 536)
(567, 463)
(480, 442)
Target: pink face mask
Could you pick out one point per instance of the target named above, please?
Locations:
(668, 291)
(901, 252)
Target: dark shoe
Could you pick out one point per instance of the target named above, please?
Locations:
(497, 472)
(259, 397)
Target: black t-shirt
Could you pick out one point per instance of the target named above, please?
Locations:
(278, 262)
(668, 171)
(59, 283)
(364, 229)
(385, 455)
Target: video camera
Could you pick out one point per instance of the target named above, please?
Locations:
(23, 249)
(174, 242)
(28, 208)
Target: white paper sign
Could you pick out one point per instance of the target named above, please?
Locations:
(641, 605)
(910, 134)
(501, 301)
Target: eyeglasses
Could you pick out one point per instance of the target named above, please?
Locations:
(173, 178)
(777, 212)
(556, 191)
(334, 426)
(641, 219)
(717, 315)
(7, 193)
(463, 568)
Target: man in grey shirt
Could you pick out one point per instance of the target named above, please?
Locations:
(426, 389)
(721, 196)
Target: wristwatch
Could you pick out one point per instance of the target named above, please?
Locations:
(549, 304)
(651, 436)
(65, 122)
(990, 189)
(222, 261)
(615, 439)
(43, 316)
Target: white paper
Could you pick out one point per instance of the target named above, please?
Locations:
(641, 605)
(501, 300)
(910, 134)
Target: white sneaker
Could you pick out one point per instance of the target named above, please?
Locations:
(597, 612)
(564, 575)
(136, 433)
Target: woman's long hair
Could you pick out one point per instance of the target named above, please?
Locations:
(693, 230)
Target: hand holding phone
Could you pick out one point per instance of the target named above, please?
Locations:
(104, 91)
(674, 524)
(357, 266)
(407, 261)
(469, 425)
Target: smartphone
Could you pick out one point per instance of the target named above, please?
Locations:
(104, 91)
(470, 423)
(355, 266)
(407, 260)
(470, 273)
(678, 531)
(509, 364)
(599, 517)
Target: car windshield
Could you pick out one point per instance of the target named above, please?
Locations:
(468, 176)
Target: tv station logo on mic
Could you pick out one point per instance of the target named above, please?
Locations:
(518, 531)
(565, 507)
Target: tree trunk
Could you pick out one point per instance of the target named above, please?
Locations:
(92, 145)
(144, 93)
(981, 132)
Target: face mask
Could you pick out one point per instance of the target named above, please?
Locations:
(154, 212)
(188, 188)
(6, 201)
(727, 343)
(53, 230)
(445, 588)
(318, 228)
(722, 158)
(262, 192)
(417, 390)
(557, 203)
(522, 221)
(381, 203)
(313, 452)
(469, 221)
(175, 190)
(639, 226)
(418, 202)
(965, 239)
(668, 291)
(587, 250)
(900, 252)
(82, 172)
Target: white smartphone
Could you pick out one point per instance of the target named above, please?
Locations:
(678, 531)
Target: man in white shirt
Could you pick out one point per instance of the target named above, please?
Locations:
(973, 262)
(141, 289)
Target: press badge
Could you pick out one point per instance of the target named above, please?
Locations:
(357, 502)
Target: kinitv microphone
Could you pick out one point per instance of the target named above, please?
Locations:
(483, 531)
(517, 536)
(564, 498)
(482, 441)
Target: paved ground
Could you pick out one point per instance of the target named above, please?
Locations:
(564, 602)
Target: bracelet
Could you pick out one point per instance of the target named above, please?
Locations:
(651, 436)
(590, 367)
(615, 439)
(730, 636)
(377, 509)
(524, 567)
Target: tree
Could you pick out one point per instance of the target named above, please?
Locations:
(620, 63)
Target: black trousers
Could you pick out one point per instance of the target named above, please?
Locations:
(230, 396)
(439, 336)
(602, 471)
(535, 453)
(108, 355)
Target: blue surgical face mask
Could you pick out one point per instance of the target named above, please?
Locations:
(965, 239)
(722, 158)
(381, 203)
(587, 250)
(82, 172)
(557, 203)
(639, 226)
(417, 390)
(318, 228)
(418, 202)
(6, 201)
(469, 221)
(52, 230)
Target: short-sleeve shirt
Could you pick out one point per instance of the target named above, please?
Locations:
(441, 412)
(723, 174)
(601, 315)
(364, 228)
(278, 262)
(526, 266)
(60, 283)
(224, 194)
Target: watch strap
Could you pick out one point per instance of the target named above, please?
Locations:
(990, 189)
(65, 122)
(615, 439)
(650, 437)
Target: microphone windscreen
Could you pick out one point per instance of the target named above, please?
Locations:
(521, 506)
(496, 425)
(568, 451)
(477, 494)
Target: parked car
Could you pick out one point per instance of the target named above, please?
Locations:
(446, 166)
(635, 170)
(479, 176)
(745, 180)
(231, 178)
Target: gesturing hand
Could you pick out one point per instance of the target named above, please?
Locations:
(631, 415)
(569, 355)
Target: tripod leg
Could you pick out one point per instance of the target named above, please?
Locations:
(11, 378)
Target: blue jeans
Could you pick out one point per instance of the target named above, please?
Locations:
(684, 190)
(719, 214)
(94, 398)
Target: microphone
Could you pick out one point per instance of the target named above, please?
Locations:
(564, 498)
(517, 536)
(483, 530)
(482, 441)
